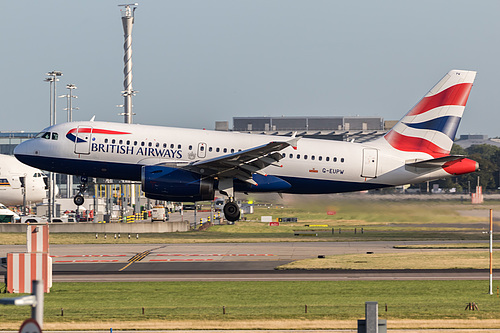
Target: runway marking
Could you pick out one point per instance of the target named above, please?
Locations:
(214, 255)
(137, 257)
(88, 255)
(86, 260)
(181, 260)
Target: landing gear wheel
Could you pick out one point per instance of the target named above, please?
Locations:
(78, 200)
(232, 211)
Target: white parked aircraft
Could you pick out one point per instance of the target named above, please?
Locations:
(176, 164)
(12, 175)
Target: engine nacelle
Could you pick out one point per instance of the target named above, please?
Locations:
(172, 184)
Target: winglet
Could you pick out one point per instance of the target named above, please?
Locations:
(294, 140)
(93, 118)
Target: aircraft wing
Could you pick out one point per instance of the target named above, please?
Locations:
(243, 164)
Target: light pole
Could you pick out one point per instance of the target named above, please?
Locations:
(69, 102)
(128, 91)
(52, 79)
(69, 108)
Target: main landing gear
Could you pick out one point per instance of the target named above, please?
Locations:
(78, 199)
(232, 211)
(231, 208)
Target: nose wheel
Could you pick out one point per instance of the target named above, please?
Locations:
(232, 211)
(78, 199)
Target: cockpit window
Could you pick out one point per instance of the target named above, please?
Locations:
(46, 135)
(55, 136)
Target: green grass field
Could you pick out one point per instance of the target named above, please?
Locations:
(380, 220)
(94, 302)
(405, 260)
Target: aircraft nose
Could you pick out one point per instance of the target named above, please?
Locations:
(24, 151)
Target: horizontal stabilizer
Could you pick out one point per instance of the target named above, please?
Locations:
(435, 162)
(452, 164)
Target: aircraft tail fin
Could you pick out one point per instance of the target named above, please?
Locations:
(431, 125)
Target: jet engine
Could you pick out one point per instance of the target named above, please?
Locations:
(173, 184)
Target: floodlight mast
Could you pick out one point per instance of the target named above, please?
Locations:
(128, 92)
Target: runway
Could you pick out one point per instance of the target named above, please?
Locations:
(225, 262)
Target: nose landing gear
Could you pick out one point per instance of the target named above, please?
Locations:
(78, 199)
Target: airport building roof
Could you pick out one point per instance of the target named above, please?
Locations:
(339, 128)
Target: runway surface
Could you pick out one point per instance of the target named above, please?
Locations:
(225, 262)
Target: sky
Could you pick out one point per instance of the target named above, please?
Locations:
(199, 61)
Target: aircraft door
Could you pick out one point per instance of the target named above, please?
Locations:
(370, 163)
(83, 139)
(202, 150)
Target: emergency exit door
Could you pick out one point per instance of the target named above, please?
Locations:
(202, 150)
(370, 163)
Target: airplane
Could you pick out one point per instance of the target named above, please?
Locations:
(186, 165)
(12, 176)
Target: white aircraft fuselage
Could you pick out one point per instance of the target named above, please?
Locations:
(178, 164)
(12, 173)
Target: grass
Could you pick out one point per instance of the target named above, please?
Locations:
(496, 245)
(263, 301)
(380, 220)
(406, 260)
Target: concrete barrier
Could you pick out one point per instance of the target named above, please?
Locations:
(83, 227)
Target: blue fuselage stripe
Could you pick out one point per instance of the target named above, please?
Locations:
(113, 170)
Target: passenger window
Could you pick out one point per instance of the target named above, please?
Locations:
(157, 144)
(172, 145)
(335, 159)
(210, 149)
(113, 141)
(120, 142)
(298, 156)
(150, 144)
(291, 156)
(55, 136)
(312, 157)
(164, 145)
(327, 158)
(135, 143)
(225, 150)
(190, 147)
(217, 149)
(305, 157)
(284, 155)
(320, 158)
(179, 147)
(142, 143)
(106, 140)
(342, 160)
(232, 150)
(128, 142)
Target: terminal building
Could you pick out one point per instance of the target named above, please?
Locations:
(340, 128)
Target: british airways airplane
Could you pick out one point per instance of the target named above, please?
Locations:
(177, 164)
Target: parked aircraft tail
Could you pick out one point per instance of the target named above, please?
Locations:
(431, 125)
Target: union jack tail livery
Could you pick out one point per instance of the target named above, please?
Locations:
(430, 126)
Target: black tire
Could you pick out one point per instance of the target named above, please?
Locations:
(78, 200)
(232, 211)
